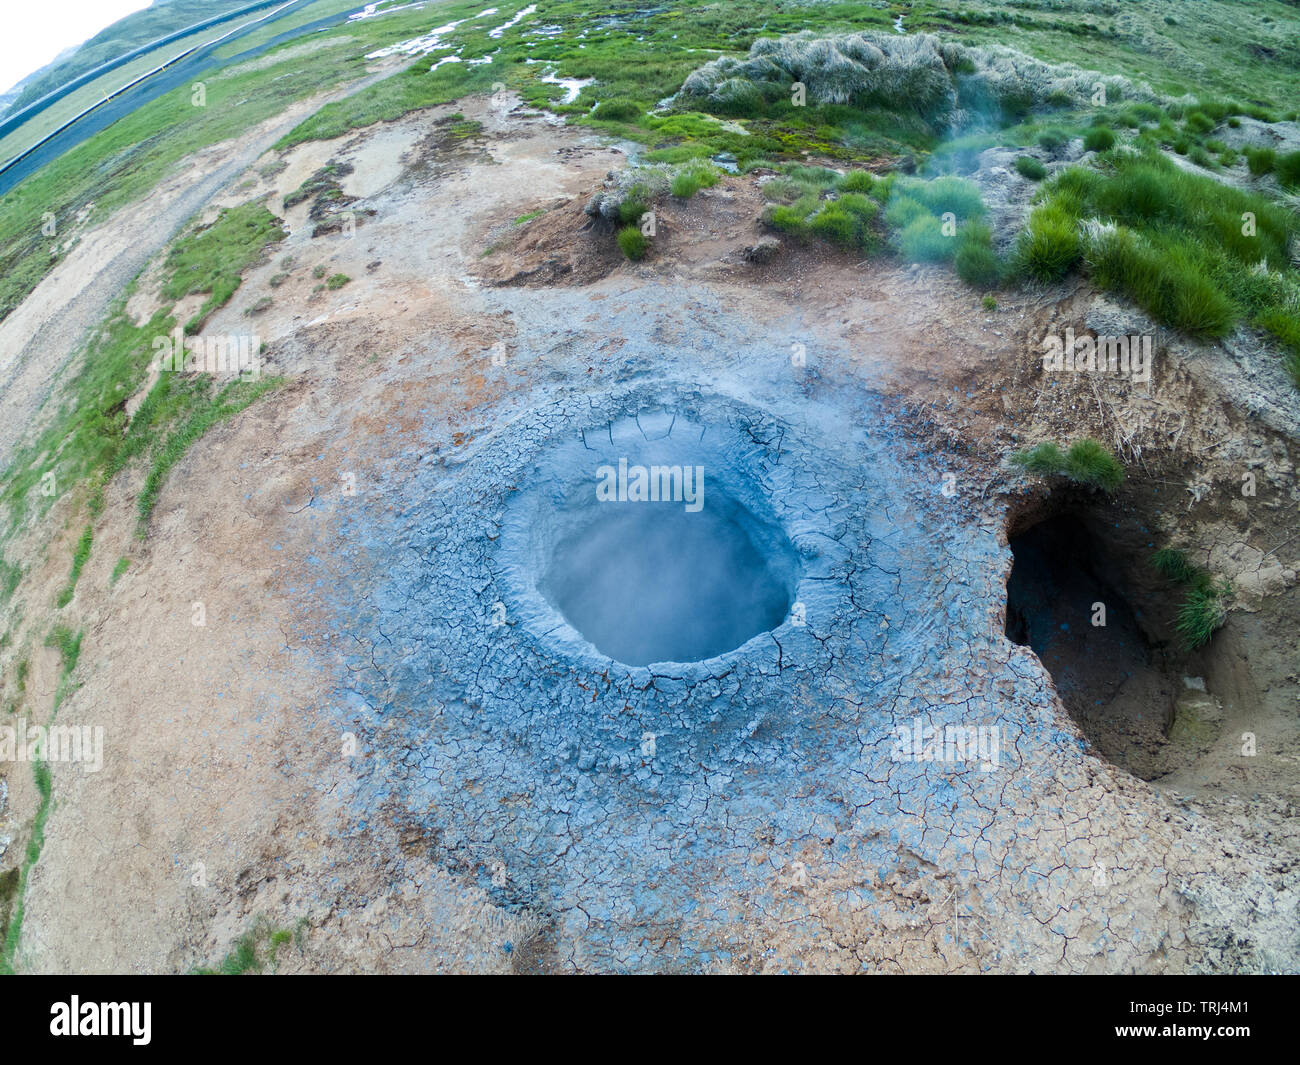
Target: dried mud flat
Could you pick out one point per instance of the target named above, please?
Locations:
(340, 532)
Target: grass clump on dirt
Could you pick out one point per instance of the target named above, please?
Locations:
(929, 219)
(1174, 565)
(814, 203)
(975, 260)
(1287, 168)
(324, 180)
(1198, 256)
(1028, 166)
(119, 568)
(1048, 247)
(633, 243)
(1202, 610)
(1261, 161)
(213, 258)
(256, 948)
(68, 644)
(693, 177)
(1086, 462)
(1099, 139)
(79, 559)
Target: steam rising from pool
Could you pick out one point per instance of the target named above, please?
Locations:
(652, 582)
(655, 537)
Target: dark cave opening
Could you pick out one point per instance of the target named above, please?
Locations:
(1071, 600)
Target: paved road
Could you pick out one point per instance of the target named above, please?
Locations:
(183, 73)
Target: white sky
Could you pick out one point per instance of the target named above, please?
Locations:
(36, 32)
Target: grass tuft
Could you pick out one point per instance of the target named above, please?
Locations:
(1028, 166)
(976, 262)
(1086, 463)
(693, 177)
(633, 243)
(1099, 139)
(79, 558)
(1201, 614)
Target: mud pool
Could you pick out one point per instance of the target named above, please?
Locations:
(658, 813)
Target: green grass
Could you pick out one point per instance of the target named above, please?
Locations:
(1098, 139)
(1200, 615)
(975, 260)
(212, 259)
(1049, 247)
(862, 181)
(336, 281)
(35, 843)
(1086, 463)
(1288, 170)
(91, 438)
(1166, 279)
(1028, 166)
(943, 195)
(69, 647)
(1053, 140)
(1174, 565)
(1175, 243)
(851, 219)
(323, 181)
(68, 644)
(618, 110)
(633, 243)
(1202, 610)
(923, 239)
(1261, 161)
(119, 568)
(200, 417)
(693, 177)
(924, 216)
(256, 948)
(79, 559)
(11, 575)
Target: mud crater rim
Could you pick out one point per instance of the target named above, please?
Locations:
(700, 579)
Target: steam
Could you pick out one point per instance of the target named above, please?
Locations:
(653, 582)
